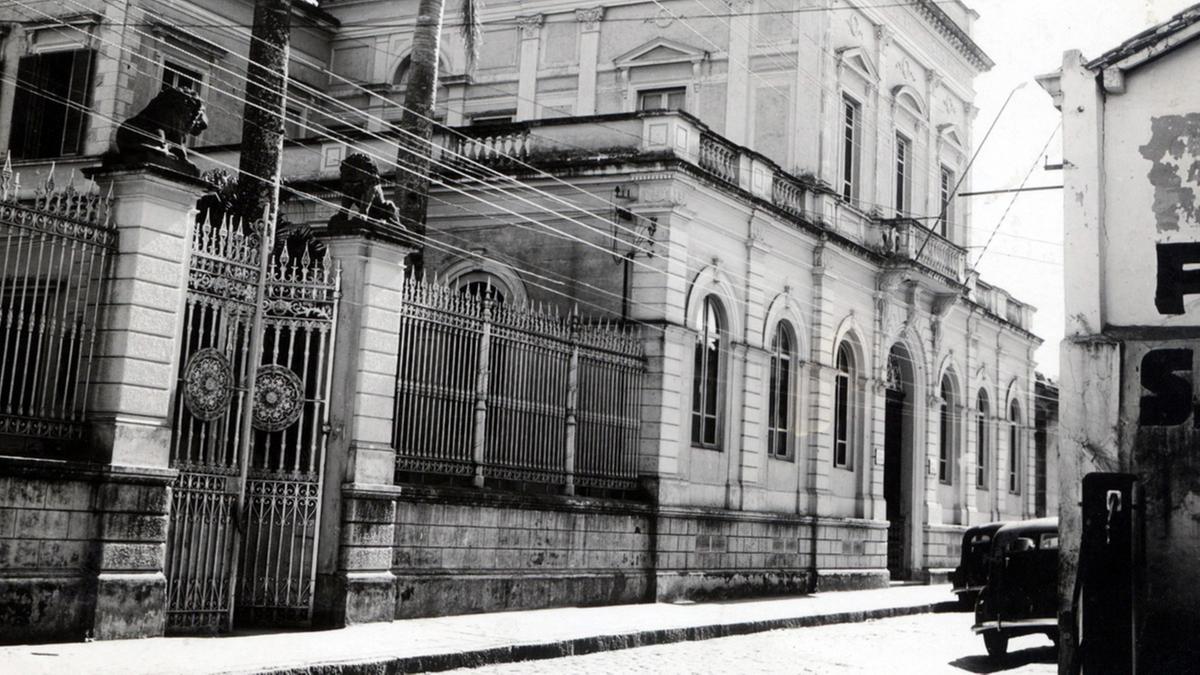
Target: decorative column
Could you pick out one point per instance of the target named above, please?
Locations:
(589, 53)
(131, 393)
(355, 583)
(737, 83)
(531, 30)
(883, 138)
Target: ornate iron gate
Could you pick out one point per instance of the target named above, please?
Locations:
(246, 505)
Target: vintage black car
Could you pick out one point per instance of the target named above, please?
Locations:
(972, 571)
(1020, 597)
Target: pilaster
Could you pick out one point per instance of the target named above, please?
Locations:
(531, 30)
(933, 506)
(819, 454)
(737, 86)
(589, 52)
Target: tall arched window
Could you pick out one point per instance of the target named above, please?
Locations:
(1014, 448)
(779, 414)
(707, 377)
(843, 402)
(983, 456)
(946, 445)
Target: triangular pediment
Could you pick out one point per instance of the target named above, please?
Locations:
(856, 59)
(659, 51)
(951, 134)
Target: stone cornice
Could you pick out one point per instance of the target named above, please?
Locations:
(953, 34)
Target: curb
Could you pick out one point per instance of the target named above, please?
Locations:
(593, 644)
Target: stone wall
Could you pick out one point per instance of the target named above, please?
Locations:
(46, 532)
(460, 551)
(714, 553)
(81, 551)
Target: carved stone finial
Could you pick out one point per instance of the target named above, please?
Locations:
(364, 205)
(158, 133)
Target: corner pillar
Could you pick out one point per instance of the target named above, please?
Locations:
(130, 397)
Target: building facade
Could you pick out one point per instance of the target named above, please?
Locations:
(1126, 361)
(717, 332)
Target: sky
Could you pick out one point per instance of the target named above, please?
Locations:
(1027, 38)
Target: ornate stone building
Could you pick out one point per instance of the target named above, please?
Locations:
(718, 334)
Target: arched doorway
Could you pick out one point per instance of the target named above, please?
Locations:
(900, 398)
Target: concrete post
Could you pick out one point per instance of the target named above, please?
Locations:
(354, 579)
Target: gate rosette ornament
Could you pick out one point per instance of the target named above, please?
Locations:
(278, 398)
(207, 384)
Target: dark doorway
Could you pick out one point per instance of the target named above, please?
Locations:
(893, 480)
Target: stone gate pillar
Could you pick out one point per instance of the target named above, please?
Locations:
(131, 394)
(355, 583)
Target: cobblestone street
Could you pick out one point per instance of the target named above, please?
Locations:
(925, 643)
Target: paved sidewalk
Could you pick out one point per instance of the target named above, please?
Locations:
(418, 645)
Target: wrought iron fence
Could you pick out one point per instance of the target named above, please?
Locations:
(516, 393)
(53, 256)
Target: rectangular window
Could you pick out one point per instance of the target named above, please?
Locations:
(944, 446)
(779, 407)
(851, 147)
(841, 422)
(1014, 456)
(903, 175)
(948, 183)
(179, 77)
(50, 109)
(982, 462)
(484, 120)
(663, 99)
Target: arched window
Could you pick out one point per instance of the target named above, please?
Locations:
(1014, 449)
(946, 445)
(482, 289)
(779, 413)
(707, 377)
(983, 456)
(843, 404)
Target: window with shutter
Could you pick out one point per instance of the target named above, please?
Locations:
(50, 109)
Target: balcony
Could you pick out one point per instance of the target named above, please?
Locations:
(908, 240)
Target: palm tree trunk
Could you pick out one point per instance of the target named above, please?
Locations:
(416, 123)
(262, 119)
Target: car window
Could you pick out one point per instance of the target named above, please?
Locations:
(1049, 541)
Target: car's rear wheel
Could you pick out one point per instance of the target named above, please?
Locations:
(996, 644)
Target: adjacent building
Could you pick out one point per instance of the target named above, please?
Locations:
(697, 317)
(1128, 387)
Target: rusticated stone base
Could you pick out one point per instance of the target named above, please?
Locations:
(724, 585)
(462, 550)
(464, 593)
(130, 606)
(42, 609)
(851, 580)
